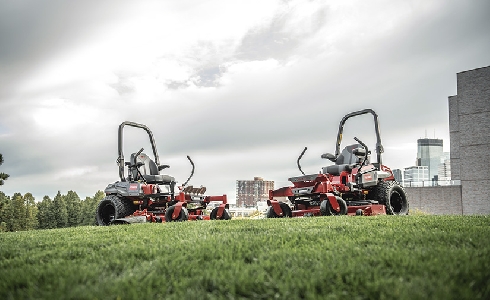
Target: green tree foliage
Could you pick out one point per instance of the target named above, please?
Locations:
(3, 176)
(60, 212)
(4, 211)
(73, 208)
(18, 213)
(89, 206)
(17, 221)
(24, 213)
(31, 221)
(45, 214)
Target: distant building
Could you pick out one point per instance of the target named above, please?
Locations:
(416, 174)
(398, 175)
(429, 153)
(444, 171)
(249, 192)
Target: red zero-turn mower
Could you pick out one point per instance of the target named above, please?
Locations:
(353, 185)
(145, 195)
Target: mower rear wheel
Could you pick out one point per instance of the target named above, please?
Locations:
(393, 196)
(214, 214)
(183, 215)
(326, 208)
(113, 207)
(286, 211)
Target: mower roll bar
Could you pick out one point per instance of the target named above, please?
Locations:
(120, 158)
(379, 147)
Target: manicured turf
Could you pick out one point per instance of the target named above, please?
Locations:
(384, 257)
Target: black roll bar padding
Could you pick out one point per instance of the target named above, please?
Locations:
(379, 146)
(300, 156)
(192, 172)
(120, 159)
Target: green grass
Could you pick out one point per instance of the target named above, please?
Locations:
(384, 257)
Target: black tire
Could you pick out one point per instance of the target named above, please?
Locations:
(326, 208)
(393, 196)
(113, 207)
(286, 211)
(183, 215)
(214, 213)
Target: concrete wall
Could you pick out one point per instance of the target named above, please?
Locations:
(441, 200)
(454, 137)
(469, 129)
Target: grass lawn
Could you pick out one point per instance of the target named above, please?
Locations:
(383, 257)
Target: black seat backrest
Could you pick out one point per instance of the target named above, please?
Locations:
(346, 157)
(149, 167)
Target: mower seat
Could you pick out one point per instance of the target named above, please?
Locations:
(150, 170)
(346, 161)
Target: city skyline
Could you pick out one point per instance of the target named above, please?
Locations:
(241, 88)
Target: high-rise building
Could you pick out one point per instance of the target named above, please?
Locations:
(249, 192)
(445, 168)
(429, 153)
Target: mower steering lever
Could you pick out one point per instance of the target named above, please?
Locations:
(360, 142)
(365, 147)
(299, 158)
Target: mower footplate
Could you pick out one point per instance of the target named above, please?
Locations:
(129, 220)
(314, 212)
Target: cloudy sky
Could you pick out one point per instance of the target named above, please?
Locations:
(240, 86)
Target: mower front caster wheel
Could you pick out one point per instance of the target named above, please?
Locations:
(286, 211)
(326, 208)
(224, 216)
(183, 215)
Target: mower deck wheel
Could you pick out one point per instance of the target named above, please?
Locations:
(286, 211)
(326, 208)
(183, 215)
(214, 214)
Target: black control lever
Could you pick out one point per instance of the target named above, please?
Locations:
(300, 156)
(192, 172)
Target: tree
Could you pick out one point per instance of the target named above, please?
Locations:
(89, 207)
(18, 219)
(3, 176)
(73, 208)
(31, 212)
(45, 216)
(59, 210)
(4, 211)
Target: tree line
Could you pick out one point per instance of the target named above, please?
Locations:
(22, 212)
